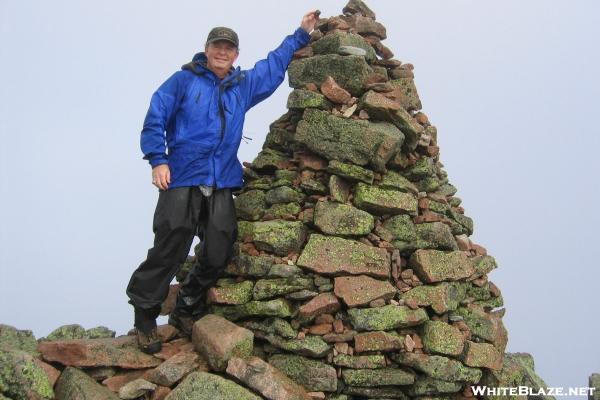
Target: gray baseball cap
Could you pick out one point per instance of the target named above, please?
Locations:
(223, 33)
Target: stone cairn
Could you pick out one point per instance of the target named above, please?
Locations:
(353, 278)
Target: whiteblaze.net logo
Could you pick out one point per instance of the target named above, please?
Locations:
(529, 391)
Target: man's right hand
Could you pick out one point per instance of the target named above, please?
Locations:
(161, 176)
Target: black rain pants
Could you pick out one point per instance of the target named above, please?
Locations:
(181, 213)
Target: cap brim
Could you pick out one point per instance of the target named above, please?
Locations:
(222, 39)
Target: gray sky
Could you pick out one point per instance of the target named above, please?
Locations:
(512, 87)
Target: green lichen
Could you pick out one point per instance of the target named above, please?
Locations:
(377, 377)
(386, 318)
(301, 98)
(381, 201)
(351, 172)
(442, 338)
(269, 288)
(342, 219)
(330, 44)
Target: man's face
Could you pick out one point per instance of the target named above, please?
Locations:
(221, 55)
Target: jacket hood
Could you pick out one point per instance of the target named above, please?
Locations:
(198, 66)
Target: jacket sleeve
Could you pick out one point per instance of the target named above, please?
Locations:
(266, 75)
(161, 110)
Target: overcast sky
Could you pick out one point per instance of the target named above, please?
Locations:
(512, 87)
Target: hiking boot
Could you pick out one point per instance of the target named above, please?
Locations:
(183, 323)
(148, 343)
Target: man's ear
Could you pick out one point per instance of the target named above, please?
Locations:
(237, 54)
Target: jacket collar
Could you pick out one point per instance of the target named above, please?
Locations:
(198, 66)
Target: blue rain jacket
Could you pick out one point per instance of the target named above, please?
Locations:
(195, 120)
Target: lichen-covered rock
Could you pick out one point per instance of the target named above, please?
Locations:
(173, 369)
(350, 172)
(394, 180)
(594, 382)
(339, 189)
(246, 265)
(482, 355)
(331, 44)
(350, 72)
(377, 377)
(234, 293)
(269, 160)
(435, 235)
(12, 338)
(426, 386)
(135, 389)
(269, 288)
(205, 386)
(384, 109)
(481, 323)
(342, 219)
(386, 318)
(517, 370)
(436, 266)
(442, 297)
(360, 362)
(401, 227)
(314, 375)
(361, 290)
(442, 338)
(22, 378)
(278, 236)
(342, 139)
(218, 340)
(439, 367)
(265, 379)
(119, 352)
(378, 341)
(99, 332)
(74, 384)
(270, 308)
(324, 303)
(310, 346)
(250, 205)
(335, 256)
(379, 201)
(384, 392)
(67, 332)
(409, 98)
(283, 194)
(277, 326)
(301, 98)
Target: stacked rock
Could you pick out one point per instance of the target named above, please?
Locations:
(354, 265)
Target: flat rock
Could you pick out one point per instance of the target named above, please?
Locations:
(482, 355)
(339, 42)
(278, 236)
(174, 369)
(342, 219)
(309, 346)
(12, 338)
(356, 141)
(386, 317)
(425, 385)
(361, 290)
(360, 362)
(380, 201)
(270, 308)
(377, 377)
(442, 297)
(314, 375)
(436, 266)
(301, 98)
(218, 340)
(266, 379)
(324, 303)
(74, 384)
(439, 367)
(378, 341)
(274, 287)
(119, 352)
(351, 172)
(205, 386)
(335, 256)
(235, 293)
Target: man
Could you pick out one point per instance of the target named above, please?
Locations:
(190, 137)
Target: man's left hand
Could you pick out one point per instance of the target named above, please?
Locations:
(309, 21)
